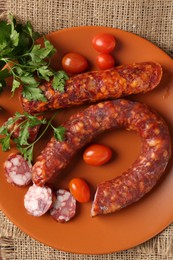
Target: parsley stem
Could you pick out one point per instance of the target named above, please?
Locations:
(18, 126)
(48, 124)
(26, 66)
(11, 69)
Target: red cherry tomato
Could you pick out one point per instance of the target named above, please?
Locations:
(79, 189)
(105, 61)
(97, 154)
(74, 63)
(104, 43)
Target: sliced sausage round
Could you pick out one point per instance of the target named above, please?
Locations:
(17, 170)
(64, 207)
(38, 200)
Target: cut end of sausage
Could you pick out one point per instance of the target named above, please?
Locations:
(17, 170)
(102, 206)
(94, 212)
(64, 207)
(38, 200)
(96, 209)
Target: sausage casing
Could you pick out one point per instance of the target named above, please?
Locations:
(82, 127)
(98, 85)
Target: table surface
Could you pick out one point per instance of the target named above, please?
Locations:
(152, 20)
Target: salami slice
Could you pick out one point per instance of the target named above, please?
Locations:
(64, 207)
(17, 170)
(38, 200)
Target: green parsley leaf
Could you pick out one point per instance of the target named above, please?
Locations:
(49, 48)
(27, 152)
(16, 84)
(9, 38)
(34, 120)
(14, 36)
(45, 73)
(28, 155)
(29, 28)
(38, 53)
(4, 35)
(29, 121)
(59, 80)
(3, 130)
(31, 61)
(35, 53)
(24, 133)
(59, 133)
(5, 142)
(14, 119)
(28, 79)
(33, 93)
(18, 70)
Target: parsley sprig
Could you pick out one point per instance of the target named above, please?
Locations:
(30, 61)
(26, 148)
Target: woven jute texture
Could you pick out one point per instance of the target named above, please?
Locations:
(147, 18)
(150, 19)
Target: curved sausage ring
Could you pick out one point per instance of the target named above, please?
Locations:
(82, 127)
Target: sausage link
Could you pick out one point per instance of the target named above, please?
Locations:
(98, 85)
(82, 127)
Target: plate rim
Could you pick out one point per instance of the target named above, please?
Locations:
(25, 230)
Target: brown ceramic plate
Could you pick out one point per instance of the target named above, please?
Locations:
(128, 227)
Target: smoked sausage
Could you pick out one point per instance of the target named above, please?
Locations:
(98, 85)
(82, 127)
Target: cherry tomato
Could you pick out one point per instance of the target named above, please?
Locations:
(97, 154)
(74, 63)
(105, 61)
(79, 189)
(104, 43)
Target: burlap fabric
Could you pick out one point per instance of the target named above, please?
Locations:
(150, 19)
